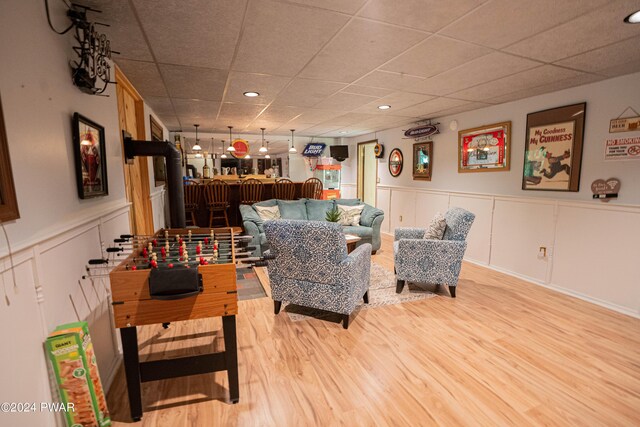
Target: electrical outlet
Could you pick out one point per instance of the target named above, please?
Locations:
(400, 218)
(542, 252)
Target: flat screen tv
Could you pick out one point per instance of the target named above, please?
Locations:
(339, 152)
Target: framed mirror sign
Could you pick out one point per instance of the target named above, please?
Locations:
(422, 160)
(485, 148)
(395, 162)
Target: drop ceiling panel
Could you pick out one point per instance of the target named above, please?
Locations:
(387, 80)
(463, 108)
(429, 15)
(281, 113)
(499, 23)
(298, 126)
(358, 48)
(366, 90)
(595, 29)
(160, 105)
(172, 123)
(194, 82)
(346, 6)
(198, 33)
(319, 130)
(435, 55)
(231, 112)
(196, 108)
(280, 38)
(581, 79)
(123, 32)
(427, 108)
(313, 115)
(525, 80)
(480, 70)
(397, 101)
(206, 124)
(350, 118)
(306, 92)
(267, 86)
(342, 101)
(606, 57)
(144, 76)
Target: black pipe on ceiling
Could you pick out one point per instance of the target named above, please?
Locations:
(134, 148)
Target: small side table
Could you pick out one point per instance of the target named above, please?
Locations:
(351, 242)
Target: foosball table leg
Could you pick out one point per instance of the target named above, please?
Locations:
(231, 356)
(132, 370)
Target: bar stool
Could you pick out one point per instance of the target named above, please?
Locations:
(251, 191)
(216, 195)
(284, 189)
(312, 189)
(192, 194)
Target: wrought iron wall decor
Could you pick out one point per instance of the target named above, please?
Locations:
(91, 71)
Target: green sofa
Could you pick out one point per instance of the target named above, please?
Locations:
(312, 210)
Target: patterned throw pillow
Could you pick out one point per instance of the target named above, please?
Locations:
(350, 215)
(436, 228)
(268, 212)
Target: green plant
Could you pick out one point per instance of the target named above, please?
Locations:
(333, 215)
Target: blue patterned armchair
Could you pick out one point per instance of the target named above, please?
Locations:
(310, 266)
(420, 260)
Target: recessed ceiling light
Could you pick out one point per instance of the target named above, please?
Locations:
(384, 107)
(251, 94)
(343, 131)
(634, 18)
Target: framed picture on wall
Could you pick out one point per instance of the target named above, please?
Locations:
(8, 202)
(90, 157)
(485, 148)
(553, 149)
(422, 160)
(395, 162)
(159, 168)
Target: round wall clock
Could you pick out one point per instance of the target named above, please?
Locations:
(395, 162)
(378, 150)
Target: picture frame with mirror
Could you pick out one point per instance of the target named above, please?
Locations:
(422, 160)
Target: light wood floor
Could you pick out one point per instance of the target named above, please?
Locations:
(504, 352)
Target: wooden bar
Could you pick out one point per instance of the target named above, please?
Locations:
(235, 219)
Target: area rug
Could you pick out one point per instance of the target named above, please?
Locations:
(249, 286)
(382, 291)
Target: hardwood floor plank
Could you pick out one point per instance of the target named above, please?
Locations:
(503, 352)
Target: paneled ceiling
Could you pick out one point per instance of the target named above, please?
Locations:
(324, 66)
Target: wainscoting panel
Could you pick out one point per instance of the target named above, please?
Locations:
(383, 202)
(403, 209)
(24, 370)
(597, 254)
(158, 207)
(479, 238)
(519, 230)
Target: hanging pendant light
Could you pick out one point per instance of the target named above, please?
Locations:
(230, 148)
(247, 156)
(267, 156)
(224, 156)
(198, 156)
(196, 147)
(292, 149)
(263, 149)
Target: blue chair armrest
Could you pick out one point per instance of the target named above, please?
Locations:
(409, 233)
(355, 271)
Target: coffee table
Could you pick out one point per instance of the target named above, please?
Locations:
(351, 242)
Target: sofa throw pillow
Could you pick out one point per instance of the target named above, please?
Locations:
(350, 215)
(436, 228)
(295, 209)
(268, 212)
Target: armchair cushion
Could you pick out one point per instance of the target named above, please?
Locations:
(436, 228)
(295, 209)
(268, 212)
(350, 215)
(348, 202)
(317, 209)
(369, 214)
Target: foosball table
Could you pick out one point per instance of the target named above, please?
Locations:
(177, 274)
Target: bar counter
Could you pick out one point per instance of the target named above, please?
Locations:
(235, 219)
